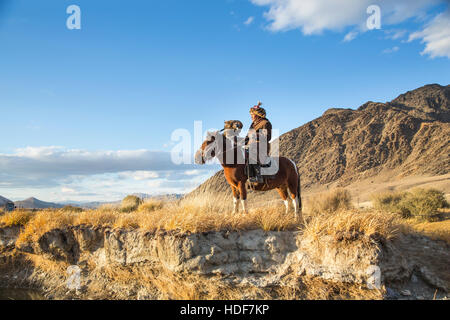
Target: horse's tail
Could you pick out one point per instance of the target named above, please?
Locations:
(299, 192)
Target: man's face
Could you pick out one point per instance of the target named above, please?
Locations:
(253, 116)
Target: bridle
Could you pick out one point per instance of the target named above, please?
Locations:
(219, 154)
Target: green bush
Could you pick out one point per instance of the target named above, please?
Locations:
(130, 203)
(419, 203)
(424, 203)
(392, 202)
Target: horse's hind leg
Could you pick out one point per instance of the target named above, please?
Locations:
(284, 195)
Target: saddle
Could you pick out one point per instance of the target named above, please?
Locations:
(254, 172)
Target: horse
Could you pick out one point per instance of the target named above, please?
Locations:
(286, 180)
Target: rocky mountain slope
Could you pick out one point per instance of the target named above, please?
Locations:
(4, 201)
(33, 203)
(405, 137)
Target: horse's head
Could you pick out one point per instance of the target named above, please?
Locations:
(207, 150)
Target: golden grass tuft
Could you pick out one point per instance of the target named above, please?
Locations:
(353, 225)
(44, 221)
(338, 199)
(151, 205)
(102, 217)
(435, 230)
(18, 217)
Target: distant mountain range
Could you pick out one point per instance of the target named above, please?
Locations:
(4, 201)
(33, 203)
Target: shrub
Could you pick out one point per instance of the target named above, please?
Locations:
(392, 202)
(424, 203)
(419, 203)
(130, 203)
(339, 199)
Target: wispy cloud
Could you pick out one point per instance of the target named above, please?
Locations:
(313, 17)
(249, 21)
(350, 36)
(395, 34)
(316, 16)
(391, 50)
(436, 36)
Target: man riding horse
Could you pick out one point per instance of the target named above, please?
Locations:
(257, 142)
(227, 148)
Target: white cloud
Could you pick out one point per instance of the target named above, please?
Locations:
(192, 172)
(436, 36)
(316, 16)
(395, 34)
(139, 175)
(249, 21)
(60, 174)
(350, 36)
(67, 190)
(391, 50)
(50, 166)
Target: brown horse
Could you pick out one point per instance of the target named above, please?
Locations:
(286, 180)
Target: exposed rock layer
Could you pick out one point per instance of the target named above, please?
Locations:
(255, 257)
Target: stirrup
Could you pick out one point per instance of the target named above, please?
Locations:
(257, 179)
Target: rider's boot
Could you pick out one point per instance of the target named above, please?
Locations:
(256, 174)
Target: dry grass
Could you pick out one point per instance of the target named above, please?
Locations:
(338, 199)
(18, 217)
(203, 214)
(435, 230)
(151, 205)
(44, 221)
(194, 215)
(350, 225)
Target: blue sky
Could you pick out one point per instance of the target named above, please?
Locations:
(85, 113)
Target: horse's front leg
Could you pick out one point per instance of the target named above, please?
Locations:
(235, 200)
(243, 194)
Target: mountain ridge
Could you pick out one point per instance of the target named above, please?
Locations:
(33, 203)
(407, 136)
